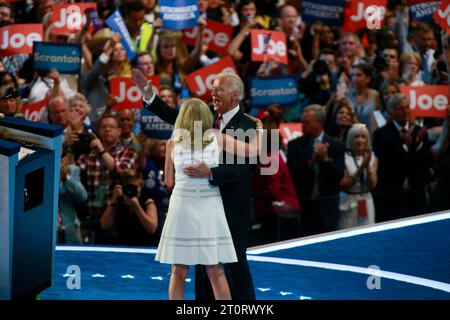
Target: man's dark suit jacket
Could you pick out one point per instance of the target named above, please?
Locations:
(395, 164)
(319, 214)
(234, 181)
(300, 150)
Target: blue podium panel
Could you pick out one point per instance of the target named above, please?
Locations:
(29, 180)
(33, 223)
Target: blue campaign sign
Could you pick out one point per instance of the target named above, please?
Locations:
(153, 127)
(329, 12)
(179, 14)
(66, 58)
(423, 10)
(116, 23)
(281, 90)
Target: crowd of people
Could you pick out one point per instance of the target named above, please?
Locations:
(362, 158)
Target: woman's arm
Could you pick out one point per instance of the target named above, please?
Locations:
(372, 177)
(194, 58)
(147, 218)
(109, 215)
(347, 180)
(169, 169)
(315, 46)
(235, 43)
(56, 90)
(157, 25)
(240, 148)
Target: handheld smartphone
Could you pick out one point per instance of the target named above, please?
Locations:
(184, 93)
(95, 19)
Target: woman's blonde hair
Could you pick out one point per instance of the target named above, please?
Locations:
(355, 128)
(120, 69)
(193, 112)
(405, 56)
(80, 97)
(171, 36)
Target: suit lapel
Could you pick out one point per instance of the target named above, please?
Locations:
(393, 132)
(234, 122)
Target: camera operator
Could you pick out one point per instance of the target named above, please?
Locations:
(106, 161)
(316, 83)
(132, 219)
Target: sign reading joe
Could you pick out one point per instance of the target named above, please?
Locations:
(70, 18)
(200, 81)
(66, 58)
(19, 38)
(127, 93)
(268, 45)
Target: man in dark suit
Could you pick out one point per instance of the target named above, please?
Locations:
(233, 179)
(404, 162)
(316, 164)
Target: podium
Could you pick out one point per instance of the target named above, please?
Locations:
(30, 154)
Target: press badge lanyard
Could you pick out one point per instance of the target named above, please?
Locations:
(361, 174)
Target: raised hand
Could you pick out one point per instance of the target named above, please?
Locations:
(157, 24)
(117, 193)
(96, 144)
(142, 83)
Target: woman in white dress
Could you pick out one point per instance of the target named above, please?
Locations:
(196, 230)
(360, 176)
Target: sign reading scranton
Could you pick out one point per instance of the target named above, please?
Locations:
(281, 90)
(179, 14)
(66, 58)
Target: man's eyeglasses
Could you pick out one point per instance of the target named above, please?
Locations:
(109, 127)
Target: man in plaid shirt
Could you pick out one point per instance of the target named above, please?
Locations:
(100, 169)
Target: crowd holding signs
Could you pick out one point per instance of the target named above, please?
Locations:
(266, 45)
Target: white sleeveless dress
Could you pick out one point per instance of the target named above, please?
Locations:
(348, 205)
(196, 230)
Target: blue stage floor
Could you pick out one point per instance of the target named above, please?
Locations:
(399, 260)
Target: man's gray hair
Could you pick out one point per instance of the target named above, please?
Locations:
(319, 112)
(395, 101)
(234, 83)
(55, 99)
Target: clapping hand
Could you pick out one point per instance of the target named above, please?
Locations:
(321, 151)
(420, 135)
(367, 157)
